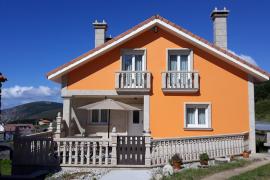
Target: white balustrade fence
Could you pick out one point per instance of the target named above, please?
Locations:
(180, 80)
(190, 148)
(83, 151)
(133, 79)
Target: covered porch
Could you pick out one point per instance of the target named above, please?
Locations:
(97, 123)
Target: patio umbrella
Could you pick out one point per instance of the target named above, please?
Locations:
(109, 104)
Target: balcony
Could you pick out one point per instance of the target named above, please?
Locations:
(133, 81)
(180, 82)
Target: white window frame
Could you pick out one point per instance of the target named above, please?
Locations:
(179, 52)
(208, 116)
(133, 52)
(99, 117)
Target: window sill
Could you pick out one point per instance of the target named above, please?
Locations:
(198, 129)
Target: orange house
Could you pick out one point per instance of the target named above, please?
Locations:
(195, 96)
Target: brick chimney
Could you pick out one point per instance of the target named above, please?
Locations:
(100, 32)
(219, 18)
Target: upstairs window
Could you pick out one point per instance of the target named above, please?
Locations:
(179, 60)
(197, 116)
(133, 60)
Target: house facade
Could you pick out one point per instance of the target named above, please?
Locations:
(191, 93)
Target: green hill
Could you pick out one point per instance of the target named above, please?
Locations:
(31, 112)
(262, 101)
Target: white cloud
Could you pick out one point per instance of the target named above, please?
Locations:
(247, 58)
(17, 95)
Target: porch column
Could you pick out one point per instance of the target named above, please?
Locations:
(146, 114)
(252, 138)
(67, 111)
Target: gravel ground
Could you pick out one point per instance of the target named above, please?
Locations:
(79, 173)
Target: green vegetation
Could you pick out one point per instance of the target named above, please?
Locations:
(5, 167)
(259, 173)
(32, 112)
(194, 174)
(262, 101)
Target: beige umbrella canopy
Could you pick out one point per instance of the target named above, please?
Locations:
(110, 105)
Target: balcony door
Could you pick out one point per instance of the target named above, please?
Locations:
(178, 68)
(133, 64)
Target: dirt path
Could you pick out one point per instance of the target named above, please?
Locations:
(264, 159)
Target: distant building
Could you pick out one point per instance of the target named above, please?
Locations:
(44, 122)
(2, 132)
(21, 129)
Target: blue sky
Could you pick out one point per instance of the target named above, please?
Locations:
(38, 35)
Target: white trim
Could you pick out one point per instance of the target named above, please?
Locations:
(208, 115)
(178, 32)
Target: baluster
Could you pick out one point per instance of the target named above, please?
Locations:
(64, 152)
(121, 80)
(168, 80)
(182, 148)
(100, 153)
(76, 152)
(82, 152)
(70, 153)
(58, 151)
(88, 153)
(94, 152)
(106, 153)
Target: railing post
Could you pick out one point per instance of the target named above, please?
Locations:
(58, 125)
(114, 144)
(164, 80)
(147, 138)
(117, 80)
(148, 80)
(196, 80)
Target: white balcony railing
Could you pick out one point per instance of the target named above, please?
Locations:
(133, 81)
(178, 81)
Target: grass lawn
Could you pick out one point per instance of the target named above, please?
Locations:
(198, 173)
(259, 173)
(5, 167)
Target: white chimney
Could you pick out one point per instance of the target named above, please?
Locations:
(100, 32)
(219, 18)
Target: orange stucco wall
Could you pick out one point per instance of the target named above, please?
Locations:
(224, 86)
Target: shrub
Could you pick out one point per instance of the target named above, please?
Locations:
(204, 157)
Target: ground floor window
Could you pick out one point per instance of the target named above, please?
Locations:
(197, 115)
(99, 116)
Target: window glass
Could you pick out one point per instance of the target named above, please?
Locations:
(201, 115)
(184, 63)
(127, 64)
(173, 63)
(136, 117)
(138, 62)
(104, 116)
(95, 116)
(190, 115)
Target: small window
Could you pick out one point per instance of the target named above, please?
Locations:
(197, 115)
(136, 117)
(99, 116)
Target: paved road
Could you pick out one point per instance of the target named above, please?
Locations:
(128, 174)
